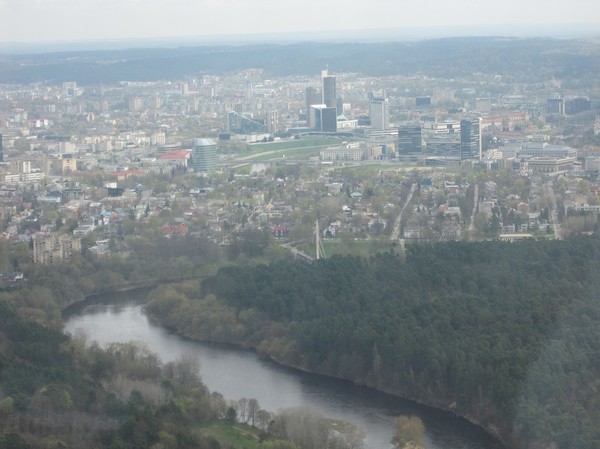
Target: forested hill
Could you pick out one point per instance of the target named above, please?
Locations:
(575, 62)
(505, 334)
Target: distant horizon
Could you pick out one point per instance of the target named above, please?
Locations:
(365, 35)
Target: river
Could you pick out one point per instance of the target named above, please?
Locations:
(236, 373)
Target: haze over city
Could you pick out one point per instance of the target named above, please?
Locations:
(232, 224)
(37, 21)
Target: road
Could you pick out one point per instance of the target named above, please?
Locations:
(472, 219)
(397, 224)
(298, 254)
(553, 212)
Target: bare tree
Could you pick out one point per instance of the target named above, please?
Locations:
(252, 409)
(302, 426)
(242, 410)
(263, 418)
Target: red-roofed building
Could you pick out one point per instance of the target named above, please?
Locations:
(176, 155)
(279, 231)
(175, 229)
(176, 159)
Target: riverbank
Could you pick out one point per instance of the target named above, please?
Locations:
(142, 292)
(238, 373)
(218, 316)
(491, 431)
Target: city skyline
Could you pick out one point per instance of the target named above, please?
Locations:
(31, 21)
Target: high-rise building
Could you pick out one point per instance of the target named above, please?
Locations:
(313, 96)
(323, 119)
(272, 121)
(52, 248)
(379, 112)
(135, 103)
(577, 105)
(555, 106)
(204, 155)
(470, 139)
(410, 140)
(328, 95)
(339, 105)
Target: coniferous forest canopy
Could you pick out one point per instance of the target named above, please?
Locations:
(504, 334)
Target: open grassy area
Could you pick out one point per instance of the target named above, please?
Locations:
(288, 146)
(234, 436)
(302, 153)
(294, 143)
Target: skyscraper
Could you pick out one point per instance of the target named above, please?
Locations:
(470, 139)
(328, 95)
(379, 112)
(272, 121)
(312, 96)
(204, 155)
(323, 119)
(410, 140)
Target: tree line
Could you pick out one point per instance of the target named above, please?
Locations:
(505, 334)
(63, 392)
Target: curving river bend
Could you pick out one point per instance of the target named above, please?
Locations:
(236, 373)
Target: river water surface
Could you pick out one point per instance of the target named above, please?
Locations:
(236, 373)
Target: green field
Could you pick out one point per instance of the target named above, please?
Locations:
(236, 435)
(294, 147)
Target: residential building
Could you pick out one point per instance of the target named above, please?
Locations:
(272, 121)
(135, 103)
(52, 248)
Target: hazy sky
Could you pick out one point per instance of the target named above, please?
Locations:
(72, 20)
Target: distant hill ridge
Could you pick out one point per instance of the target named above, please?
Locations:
(528, 59)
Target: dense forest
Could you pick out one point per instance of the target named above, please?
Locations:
(55, 393)
(58, 392)
(505, 334)
(62, 392)
(576, 62)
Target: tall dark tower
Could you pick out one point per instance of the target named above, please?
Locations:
(470, 139)
(328, 89)
(313, 96)
(410, 139)
(1, 150)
